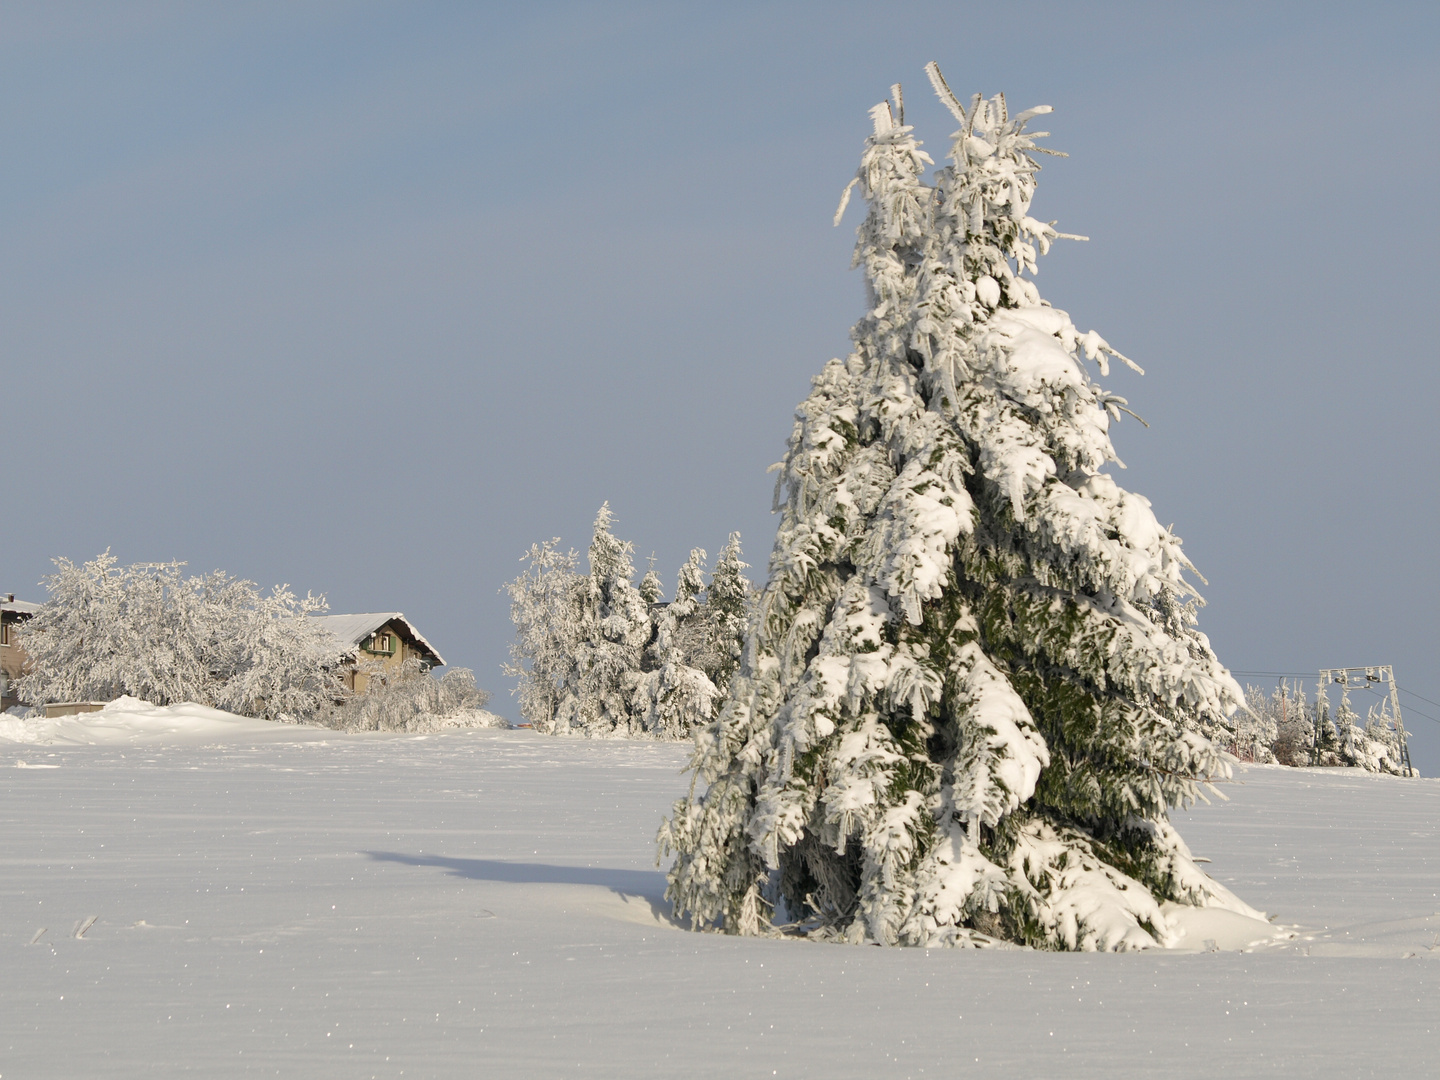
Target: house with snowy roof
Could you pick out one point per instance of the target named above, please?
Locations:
(377, 643)
(12, 658)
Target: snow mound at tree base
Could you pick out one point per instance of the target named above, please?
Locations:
(1215, 929)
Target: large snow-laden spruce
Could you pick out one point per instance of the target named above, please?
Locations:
(974, 685)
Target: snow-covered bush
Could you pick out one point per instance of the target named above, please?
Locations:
(596, 655)
(148, 631)
(411, 699)
(974, 685)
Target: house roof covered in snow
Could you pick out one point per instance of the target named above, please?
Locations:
(350, 630)
(18, 607)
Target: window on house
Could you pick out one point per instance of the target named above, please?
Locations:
(381, 643)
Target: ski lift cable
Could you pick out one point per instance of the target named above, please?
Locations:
(1276, 674)
(1420, 696)
(1412, 711)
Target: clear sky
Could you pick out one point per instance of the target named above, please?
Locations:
(367, 297)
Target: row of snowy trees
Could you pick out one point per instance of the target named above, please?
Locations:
(1285, 727)
(597, 654)
(149, 631)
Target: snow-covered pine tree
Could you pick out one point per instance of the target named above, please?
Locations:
(595, 655)
(1326, 748)
(1380, 743)
(651, 589)
(728, 601)
(1375, 747)
(1289, 713)
(616, 628)
(974, 685)
(674, 696)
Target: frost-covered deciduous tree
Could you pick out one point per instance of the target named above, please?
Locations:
(546, 606)
(1275, 726)
(280, 663)
(974, 685)
(148, 631)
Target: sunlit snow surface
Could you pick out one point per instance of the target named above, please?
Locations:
(296, 902)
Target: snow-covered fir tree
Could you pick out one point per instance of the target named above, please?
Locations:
(617, 627)
(1378, 749)
(974, 685)
(674, 695)
(729, 598)
(652, 591)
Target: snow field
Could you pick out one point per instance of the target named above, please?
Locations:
(485, 903)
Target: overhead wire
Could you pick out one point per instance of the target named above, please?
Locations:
(1410, 710)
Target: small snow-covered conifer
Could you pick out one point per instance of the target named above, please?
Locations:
(973, 686)
(728, 601)
(651, 589)
(616, 621)
(673, 697)
(1374, 747)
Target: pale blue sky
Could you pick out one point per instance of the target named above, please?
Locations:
(367, 297)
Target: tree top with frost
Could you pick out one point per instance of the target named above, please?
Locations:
(974, 686)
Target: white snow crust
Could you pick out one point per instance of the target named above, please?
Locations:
(277, 899)
(130, 720)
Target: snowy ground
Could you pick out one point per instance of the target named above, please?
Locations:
(286, 901)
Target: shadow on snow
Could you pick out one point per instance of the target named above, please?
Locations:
(647, 885)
